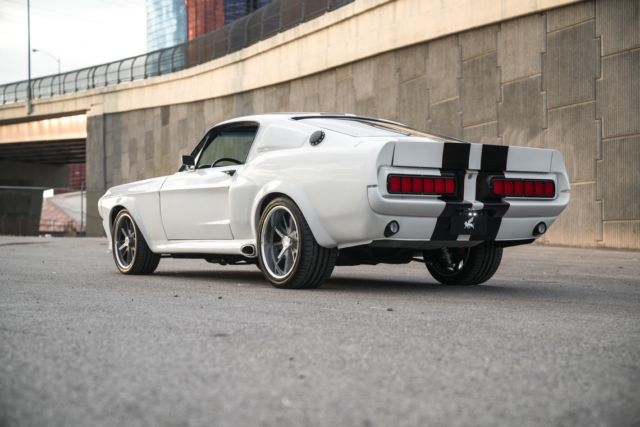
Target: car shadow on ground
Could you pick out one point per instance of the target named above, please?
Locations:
(340, 283)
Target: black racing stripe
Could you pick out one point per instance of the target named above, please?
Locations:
(455, 156)
(455, 160)
(494, 158)
(493, 163)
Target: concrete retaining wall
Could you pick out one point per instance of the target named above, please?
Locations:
(20, 210)
(567, 78)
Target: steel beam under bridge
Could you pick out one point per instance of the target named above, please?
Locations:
(57, 140)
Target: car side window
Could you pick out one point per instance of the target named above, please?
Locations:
(229, 146)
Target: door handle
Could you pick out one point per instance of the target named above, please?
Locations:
(230, 172)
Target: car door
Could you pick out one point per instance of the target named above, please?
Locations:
(194, 203)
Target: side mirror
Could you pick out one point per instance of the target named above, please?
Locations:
(188, 162)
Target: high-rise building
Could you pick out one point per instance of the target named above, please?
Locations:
(172, 22)
(166, 23)
(236, 9)
(204, 16)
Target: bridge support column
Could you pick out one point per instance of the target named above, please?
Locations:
(96, 171)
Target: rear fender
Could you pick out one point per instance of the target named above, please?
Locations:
(299, 197)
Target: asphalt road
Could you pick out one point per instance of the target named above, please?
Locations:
(553, 339)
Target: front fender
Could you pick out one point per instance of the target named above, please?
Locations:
(295, 193)
(144, 208)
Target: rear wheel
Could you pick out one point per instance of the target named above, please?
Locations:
(130, 251)
(464, 266)
(288, 254)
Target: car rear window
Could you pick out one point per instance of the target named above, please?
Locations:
(360, 127)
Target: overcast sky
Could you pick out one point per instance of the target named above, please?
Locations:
(79, 32)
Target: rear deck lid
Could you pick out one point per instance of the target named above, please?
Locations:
(423, 153)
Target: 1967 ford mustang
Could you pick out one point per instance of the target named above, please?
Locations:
(301, 193)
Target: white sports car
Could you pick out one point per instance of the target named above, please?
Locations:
(301, 193)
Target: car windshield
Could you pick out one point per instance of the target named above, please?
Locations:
(361, 127)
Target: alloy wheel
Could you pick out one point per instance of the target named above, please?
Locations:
(125, 241)
(280, 242)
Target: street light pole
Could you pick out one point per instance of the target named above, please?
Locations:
(55, 58)
(29, 106)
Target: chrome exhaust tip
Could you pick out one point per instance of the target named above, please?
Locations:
(249, 251)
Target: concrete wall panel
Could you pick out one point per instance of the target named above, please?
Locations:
(618, 94)
(414, 106)
(618, 178)
(572, 131)
(327, 87)
(522, 113)
(571, 65)
(296, 96)
(386, 81)
(345, 93)
(581, 223)
(617, 22)
(444, 65)
(412, 61)
(257, 107)
(363, 79)
(570, 15)
(622, 234)
(520, 43)
(366, 107)
(479, 41)
(445, 118)
(243, 104)
(277, 98)
(480, 89)
(486, 133)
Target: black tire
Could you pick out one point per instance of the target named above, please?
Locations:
(305, 264)
(464, 266)
(140, 259)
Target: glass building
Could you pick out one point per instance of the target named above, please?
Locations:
(166, 23)
(174, 22)
(236, 9)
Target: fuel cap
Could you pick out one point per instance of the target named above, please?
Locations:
(316, 138)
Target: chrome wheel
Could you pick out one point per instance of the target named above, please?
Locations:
(125, 241)
(279, 242)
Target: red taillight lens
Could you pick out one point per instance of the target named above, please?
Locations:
(407, 186)
(394, 184)
(523, 188)
(528, 188)
(449, 186)
(429, 185)
(410, 184)
(498, 187)
(549, 189)
(417, 185)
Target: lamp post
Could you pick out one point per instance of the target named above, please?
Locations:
(29, 57)
(55, 58)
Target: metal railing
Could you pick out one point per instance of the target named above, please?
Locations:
(278, 16)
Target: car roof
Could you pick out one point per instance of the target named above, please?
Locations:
(286, 116)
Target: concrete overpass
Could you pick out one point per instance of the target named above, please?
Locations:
(543, 73)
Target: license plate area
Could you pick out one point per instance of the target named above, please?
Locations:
(469, 223)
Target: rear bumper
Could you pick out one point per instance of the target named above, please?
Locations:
(421, 229)
(429, 219)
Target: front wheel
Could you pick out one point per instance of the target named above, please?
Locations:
(130, 251)
(464, 266)
(288, 254)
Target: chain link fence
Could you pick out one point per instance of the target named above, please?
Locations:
(278, 16)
